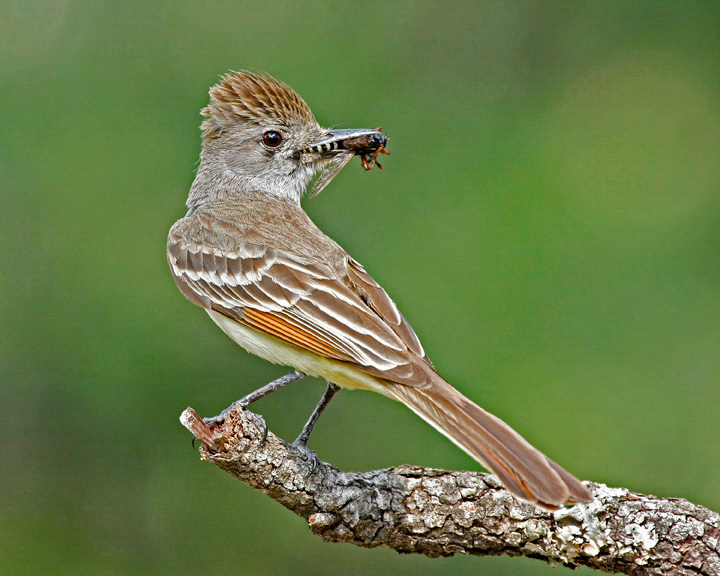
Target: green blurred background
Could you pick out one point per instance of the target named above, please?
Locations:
(549, 221)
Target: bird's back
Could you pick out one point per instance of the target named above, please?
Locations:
(256, 218)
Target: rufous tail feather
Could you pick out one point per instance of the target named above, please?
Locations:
(525, 471)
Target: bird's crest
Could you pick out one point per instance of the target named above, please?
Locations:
(248, 97)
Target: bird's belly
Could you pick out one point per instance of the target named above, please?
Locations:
(301, 360)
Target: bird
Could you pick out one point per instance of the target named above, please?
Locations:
(247, 253)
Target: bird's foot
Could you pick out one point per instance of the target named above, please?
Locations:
(220, 418)
(306, 454)
(244, 402)
(239, 406)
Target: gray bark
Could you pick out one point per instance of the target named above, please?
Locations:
(442, 513)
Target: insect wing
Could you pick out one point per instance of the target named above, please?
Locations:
(329, 172)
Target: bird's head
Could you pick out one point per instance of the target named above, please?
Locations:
(263, 135)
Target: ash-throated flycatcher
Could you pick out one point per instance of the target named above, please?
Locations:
(247, 253)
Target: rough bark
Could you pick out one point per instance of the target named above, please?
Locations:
(441, 513)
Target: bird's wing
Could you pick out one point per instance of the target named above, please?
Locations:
(347, 317)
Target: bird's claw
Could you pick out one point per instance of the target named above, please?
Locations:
(307, 454)
(220, 418)
(258, 420)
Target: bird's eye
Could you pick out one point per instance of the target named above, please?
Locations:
(272, 139)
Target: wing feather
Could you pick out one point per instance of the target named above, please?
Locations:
(347, 317)
(285, 331)
(379, 301)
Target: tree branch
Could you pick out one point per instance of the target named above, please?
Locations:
(441, 513)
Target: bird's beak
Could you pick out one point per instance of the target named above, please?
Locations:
(360, 141)
(337, 147)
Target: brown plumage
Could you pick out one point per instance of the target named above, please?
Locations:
(247, 97)
(249, 255)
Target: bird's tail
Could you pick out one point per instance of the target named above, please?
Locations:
(524, 470)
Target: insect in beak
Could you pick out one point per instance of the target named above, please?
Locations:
(366, 143)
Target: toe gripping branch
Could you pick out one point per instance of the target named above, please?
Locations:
(203, 428)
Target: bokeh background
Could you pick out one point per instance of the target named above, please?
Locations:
(549, 221)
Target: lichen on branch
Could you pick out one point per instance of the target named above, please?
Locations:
(442, 513)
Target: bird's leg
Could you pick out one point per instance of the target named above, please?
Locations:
(268, 388)
(245, 401)
(304, 436)
(302, 440)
